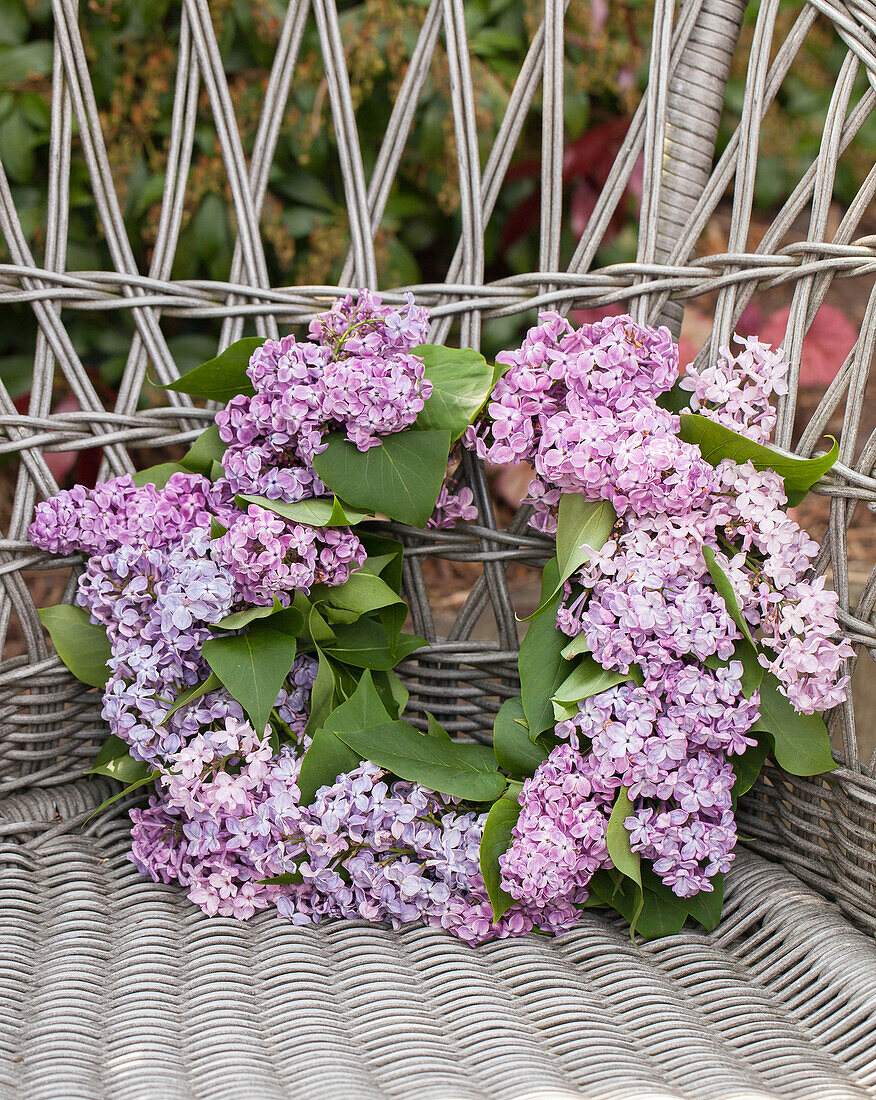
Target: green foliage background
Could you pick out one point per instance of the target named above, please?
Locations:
(131, 46)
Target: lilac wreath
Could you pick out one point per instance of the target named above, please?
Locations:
(244, 619)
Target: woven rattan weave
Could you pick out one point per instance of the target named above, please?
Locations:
(113, 987)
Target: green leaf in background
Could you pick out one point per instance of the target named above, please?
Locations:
(315, 513)
(580, 523)
(191, 693)
(221, 378)
(540, 661)
(114, 759)
(329, 754)
(366, 644)
(240, 619)
(217, 530)
(495, 840)
(675, 400)
(253, 667)
(81, 644)
(747, 766)
(158, 475)
(717, 442)
(461, 382)
(401, 478)
(617, 839)
(800, 742)
(30, 59)
(724, 588)
(514, 750)
(206, 449)
(589, 678)
(449, 767)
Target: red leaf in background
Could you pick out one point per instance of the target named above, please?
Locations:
(586, 165)
(84, 465)
(825, 347)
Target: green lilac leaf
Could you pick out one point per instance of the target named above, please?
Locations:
(617, 839)
(158, 475)
(495, 841)
(366, 644)
(243, 618)
(580, 522)
(392, 692)
(705, 907)
(361, 592)
(315, 513)
(253, 667)
(576, 647)
(206, 449)
(323, 694)
(747, 766)
(150, 778)
(800, 742)
(461, 382)
(189, 694)
(588, 678)
(724, 588)
(81, 644)
(514, 750)
(540, 661)
(114, 759)
(329, 755)
(449, 767)
(401, 478)
(717, 442)
(221, 378)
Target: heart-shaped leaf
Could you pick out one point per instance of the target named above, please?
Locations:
(366, 644)
(240, 619)
(221, 378)
(401, 478)
(114, 759)
(362, 592)
(724, 588)
(191, 693)
(253, 667)
(461, 382)
(495, 842)
(81, 644)
(747, 767)
(717, 442)
(449, 767)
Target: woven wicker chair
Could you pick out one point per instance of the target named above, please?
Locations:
(112, 986)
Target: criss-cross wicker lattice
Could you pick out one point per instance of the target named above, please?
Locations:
(823, 829)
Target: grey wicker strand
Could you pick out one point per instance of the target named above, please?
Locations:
(112, 986)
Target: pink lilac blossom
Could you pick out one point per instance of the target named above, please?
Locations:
(582, 407)
(735, 391)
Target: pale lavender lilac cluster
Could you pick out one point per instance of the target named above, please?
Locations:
(581, 406)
